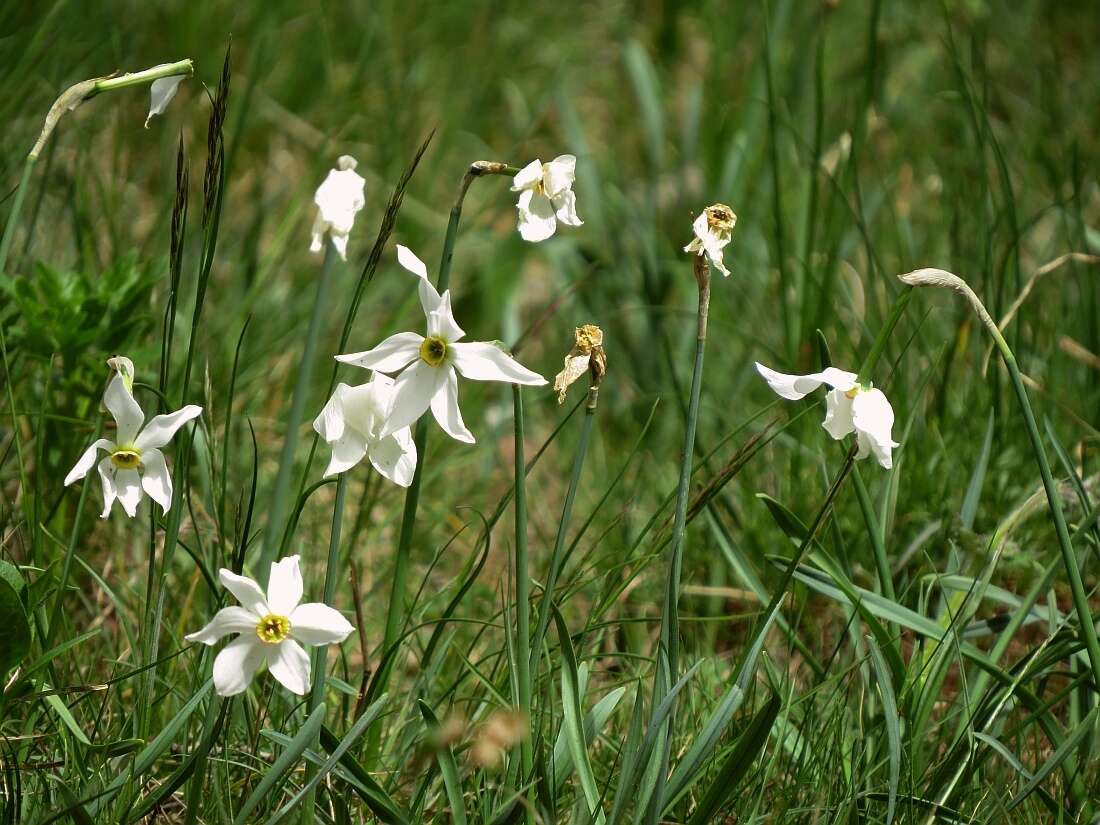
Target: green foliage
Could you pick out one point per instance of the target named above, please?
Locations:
(921, 660)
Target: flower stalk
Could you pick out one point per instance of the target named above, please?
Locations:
(274, 532)
(317, 694)
(395, 611)
(947, 280)
(523, 583)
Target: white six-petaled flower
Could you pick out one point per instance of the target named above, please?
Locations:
(135, 462)
(546, 197)
(713, 229)
(338, 198)
(849, 407)
(272, 627)
(431, 380)
(351, 423)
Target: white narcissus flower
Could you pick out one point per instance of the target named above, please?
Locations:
(135, 462)
(849, 408)
(546, 197)
(351, 422)
(338, 198)
(713, 229)
(272, 627)
(431, 380)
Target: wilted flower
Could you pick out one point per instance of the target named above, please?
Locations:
(135, 462)
(338, 198)
(272, 628)
(502, 731)
(849, 407)
(587, 355)
(546, 197)
(712, 230)
(351, 422)
(161, 92)
(431, 380)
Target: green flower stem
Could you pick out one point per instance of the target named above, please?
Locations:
(332, 569)
(557, 560)
(665, 673)
(878, 546)
(947, 280)
(108, 84)
(395, 610)
(670, 625)
(66, 102)
(523, 584)
(274, 532)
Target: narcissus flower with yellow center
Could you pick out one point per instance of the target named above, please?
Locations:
(134, 462)
(546, 197)
(713, 229)
(338, 198)
(431, 364)
(273, 626)
(849, 408)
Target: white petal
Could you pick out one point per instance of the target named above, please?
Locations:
(873, 416)
(714, 255)
(318, 624)
(394, 457)
(528, 176)
(794, 387)
(155, 479)
(347, 451)
(339, 243)
(482, 361)
(107, 478)
(244, 590)
(87, 459)
(339, 197)
(227, 620)
(329, 423)
(559, 174)
(441, 322)
(236, 664)
(284, 586)
(537, 221)
(701, 227)
(317, 234)
(128, 490)
(161, 93)
(413, 391)
(392, 354)
(445, 409)
(429, 296)
(565, 208)
(838, 414)
(124, 409)
(160, 430)
(289, 664)
(696, 246)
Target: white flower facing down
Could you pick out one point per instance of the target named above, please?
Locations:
(272, 627)
(134, 462)
(431, 380)
(713, 229)
(849, 408)
(161, 92)
(351, 423)
(338, 198)
(546, 197)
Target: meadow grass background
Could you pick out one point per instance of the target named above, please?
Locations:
(855, 142)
